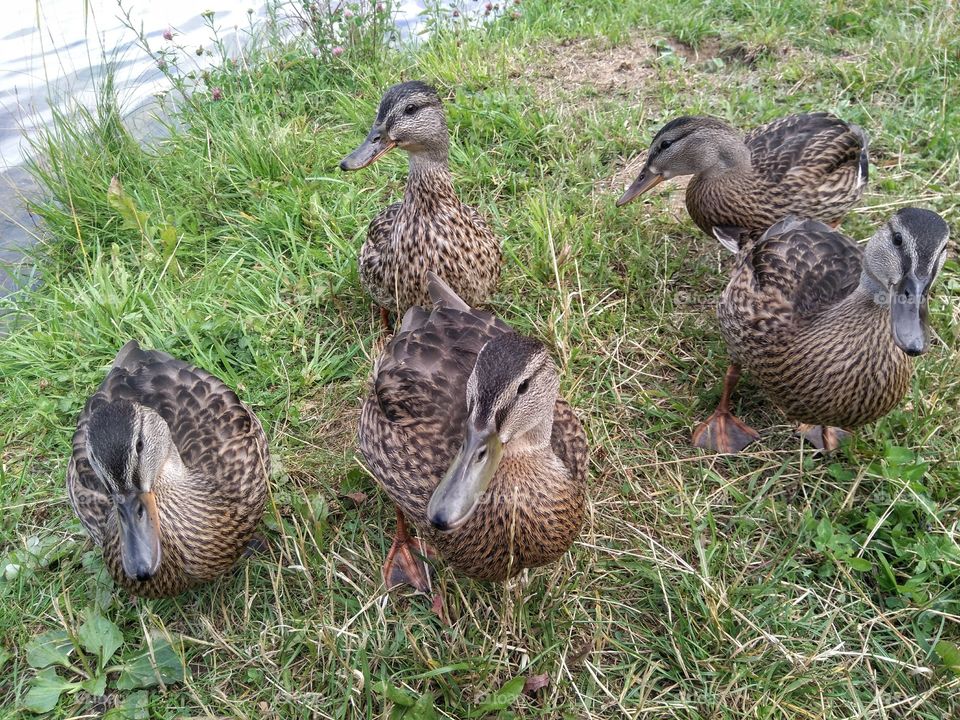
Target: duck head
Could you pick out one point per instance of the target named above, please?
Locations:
(127, 446)
(511, 395)
(689, 145)
(410, 118)
(900, 263)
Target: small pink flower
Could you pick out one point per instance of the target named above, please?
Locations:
(347, 13)
(488, 7)
(337, 51)
(162, 64)
(515, 15)
(315, 52)
(381, 8)
(216, 93)
(456, 13)
(168, 34)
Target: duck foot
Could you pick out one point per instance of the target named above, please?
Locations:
(723, 433)
(823, 437)
(406, 561)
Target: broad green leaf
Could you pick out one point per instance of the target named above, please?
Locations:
(502, 698)
(96, 686)
(51, 648)
(398, 696)
(859, 564)
(133, 218)
(134, 707)
(45, 690)
(424, 709)
(147, 668)
(899, 455)
(949, 655)
(99, 636)
(168, 241)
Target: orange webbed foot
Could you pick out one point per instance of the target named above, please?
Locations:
(724, 433)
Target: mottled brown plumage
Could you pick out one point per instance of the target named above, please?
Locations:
(811, 165)
(208, 507)
(825, 328)
(430, 229)
(416, 416)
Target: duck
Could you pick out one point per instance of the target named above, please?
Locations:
(464, 430)
(827, 328)
(430, 229)
(811, 165)
(168, 473)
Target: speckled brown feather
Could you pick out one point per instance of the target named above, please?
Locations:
(811, 165)
(794, 317)
(411, 427)
(206, 525)
(429, 230)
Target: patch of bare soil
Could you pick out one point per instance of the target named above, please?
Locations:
(578, 75)
(579, 70)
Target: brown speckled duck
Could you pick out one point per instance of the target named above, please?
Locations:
(430, 229)
(825, 328)
(464, 430)
(168, 473)
(811, 165)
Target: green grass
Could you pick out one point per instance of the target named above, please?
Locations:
(774, 585)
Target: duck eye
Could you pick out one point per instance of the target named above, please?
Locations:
(665, 144)
(139, 446)
(410, 109)
(897, 239)
(523, 387)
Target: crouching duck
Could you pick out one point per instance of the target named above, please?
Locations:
(811, 165)
(168, 474)
(827, 329)
(464, 430)
(430, 229)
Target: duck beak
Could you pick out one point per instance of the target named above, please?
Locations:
(373, 148)
(139, 535)
(908, 316)
(644, 182)
(468, 478)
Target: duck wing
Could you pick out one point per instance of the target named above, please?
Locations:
(808, 264)
(422, 373)
(373, 260)
(816, 144)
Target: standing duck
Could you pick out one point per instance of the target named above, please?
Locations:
(464, 430)
(168, 473)
(430, 229)
(812, 165)
(827, 329)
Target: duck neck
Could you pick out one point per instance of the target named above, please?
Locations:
(535, 441)
(732, 158)
(173, 482)
(428, 181)
(866, 306)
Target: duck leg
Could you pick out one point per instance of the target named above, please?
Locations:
(722, 432)
(385, 319)
(823, 437)
(405, 564)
